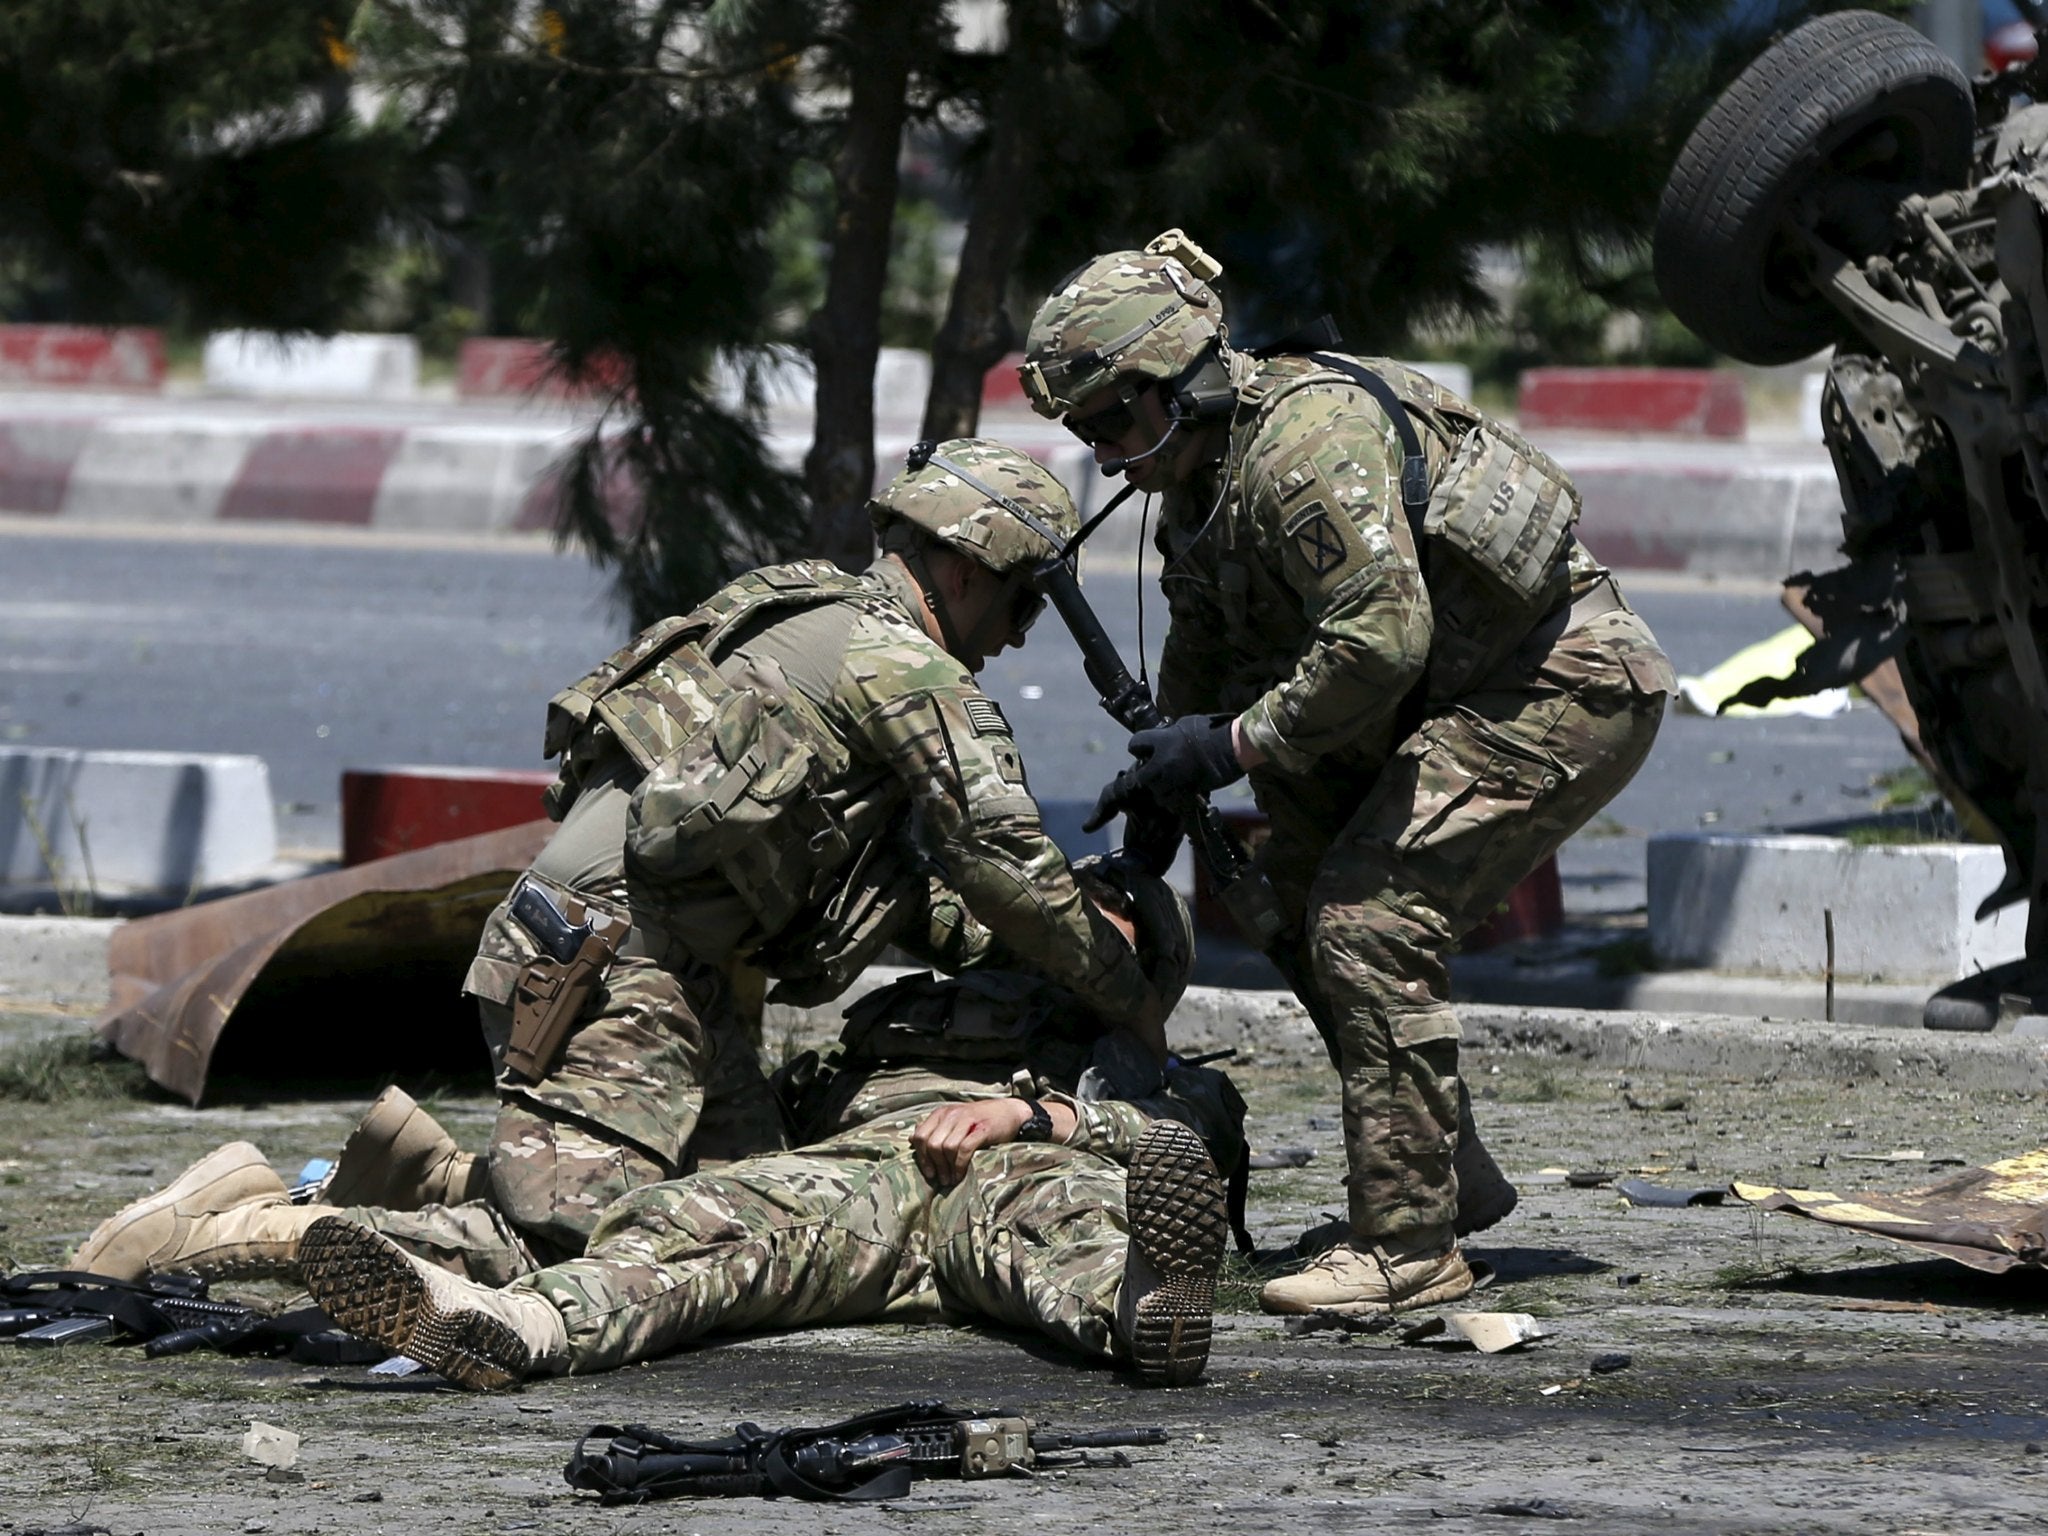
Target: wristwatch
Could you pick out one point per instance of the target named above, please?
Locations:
(1038, 1127)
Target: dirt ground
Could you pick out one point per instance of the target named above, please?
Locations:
(1782, 1376)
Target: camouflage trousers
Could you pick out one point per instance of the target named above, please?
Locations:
(643, 1092)
(850, 1231)
(1488, 786)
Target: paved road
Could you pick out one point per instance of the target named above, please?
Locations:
(324, 652)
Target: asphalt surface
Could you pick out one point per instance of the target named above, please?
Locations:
(322, 652)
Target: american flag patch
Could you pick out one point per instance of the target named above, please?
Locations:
(986, 718)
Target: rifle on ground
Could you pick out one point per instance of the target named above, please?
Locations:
(873, 1456)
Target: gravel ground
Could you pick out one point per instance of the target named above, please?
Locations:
(1782, 1376)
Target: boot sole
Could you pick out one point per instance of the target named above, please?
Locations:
(369, 1287)
(1179, 1226)
(217, 1165)
(1454, 1289)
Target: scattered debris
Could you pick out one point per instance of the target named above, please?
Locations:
(1428, 1328)
(1993, 1218)
(397, 1365)
(1903, 1155)
(1674, 1103)
(1608, 1364)
(1282, 1157)
(1317, 1321)
(1531, 1509)
(1632, 1278)
(269, 1446)
(1883, 1306)
(1492, 1332)
(1588, 1178)
(1643, 1192)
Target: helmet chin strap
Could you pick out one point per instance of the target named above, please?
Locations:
(935, 601)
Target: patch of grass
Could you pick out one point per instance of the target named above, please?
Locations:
(1625, 957)
(1544, 1087)
(1239, 1283)
(1898, 788)
(1891, 837)
(68, 1067)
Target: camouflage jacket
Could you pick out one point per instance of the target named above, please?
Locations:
(1302, 607)
(890, 800)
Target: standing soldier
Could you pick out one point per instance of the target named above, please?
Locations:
(1378, 610)
(800, 771)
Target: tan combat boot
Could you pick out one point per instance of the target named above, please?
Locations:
(1484, 1194)
(226, 1217)
(476, 1337)
(1179, 1223)
(399, 1159)
(1393, 1276)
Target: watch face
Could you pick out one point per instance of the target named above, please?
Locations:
(1038, 1127)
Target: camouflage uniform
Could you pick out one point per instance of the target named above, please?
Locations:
(848, 1229)
(798, 773)
(1429, 737)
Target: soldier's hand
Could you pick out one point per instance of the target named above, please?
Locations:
(1151, 837)
(945, 1141)
(1193, 755)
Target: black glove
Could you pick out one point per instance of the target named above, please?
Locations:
(1151, 837)
(1192, 755)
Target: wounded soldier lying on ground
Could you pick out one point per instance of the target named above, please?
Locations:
(981, 1147)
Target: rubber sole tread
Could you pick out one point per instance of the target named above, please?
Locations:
(1180, 1225)
(370, 1288)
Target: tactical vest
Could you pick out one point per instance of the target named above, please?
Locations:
(733, 767)
(1495, 539)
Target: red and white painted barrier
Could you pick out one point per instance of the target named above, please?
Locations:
(395, 810)
(1682, 402)
(454, 477)
(81, 357)
(352, 365)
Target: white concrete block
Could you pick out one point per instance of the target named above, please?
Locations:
(157, 472)
(1810, 386)
(125, 822)
(789, 387)
(468, 478)
(355, 365)
(1756, 905)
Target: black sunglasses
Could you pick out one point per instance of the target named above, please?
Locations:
(1111, 424)
(1025, 606)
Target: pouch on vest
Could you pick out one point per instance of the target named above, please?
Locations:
(734, 800)
(985, 1017)
(1498, 523)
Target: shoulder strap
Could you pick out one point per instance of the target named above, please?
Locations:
(1415, 485)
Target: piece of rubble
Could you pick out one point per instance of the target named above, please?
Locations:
(1492, 1332)
(269, 1446)
(1664, 1196)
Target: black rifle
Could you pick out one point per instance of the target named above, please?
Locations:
(1247, 895)
(873, 1456)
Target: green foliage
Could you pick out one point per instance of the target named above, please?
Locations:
(623, 168)
(199, 157)
(69, 1067)
(1358, 159)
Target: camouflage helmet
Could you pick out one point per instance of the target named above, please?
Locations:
(1146, 314)
(1165, 927)
(991, 503)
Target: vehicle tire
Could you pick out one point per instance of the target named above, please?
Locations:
(1850, 94)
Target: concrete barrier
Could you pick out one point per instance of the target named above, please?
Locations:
(353, 365)
(395, 810)
(82, 357)
(507, 367)
(1904, 913)
(120, 823)
(1710, 518)
(1686, 402)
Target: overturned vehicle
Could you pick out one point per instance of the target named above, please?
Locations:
(1851, 189)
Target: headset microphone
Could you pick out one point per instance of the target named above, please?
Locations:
(1113, 467)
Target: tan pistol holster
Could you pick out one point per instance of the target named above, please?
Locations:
(550, 993)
